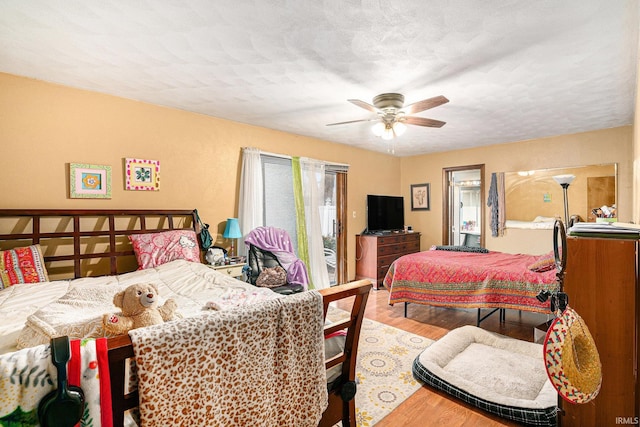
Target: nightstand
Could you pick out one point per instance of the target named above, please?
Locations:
(233, 270)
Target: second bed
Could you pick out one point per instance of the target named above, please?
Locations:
(459, 279)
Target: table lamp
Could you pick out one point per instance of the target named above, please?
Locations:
(232, 231)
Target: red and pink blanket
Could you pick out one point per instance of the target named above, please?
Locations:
(469, 280)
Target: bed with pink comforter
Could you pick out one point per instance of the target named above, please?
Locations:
(470, 280)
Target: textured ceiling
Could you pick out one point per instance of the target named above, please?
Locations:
(512, 69)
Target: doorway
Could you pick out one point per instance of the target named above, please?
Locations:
(463, 206)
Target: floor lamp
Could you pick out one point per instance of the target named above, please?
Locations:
(232, 232)
(564, 181)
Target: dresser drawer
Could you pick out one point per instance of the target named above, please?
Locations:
(385, 261)
(390, 239)
(398, 249)
(393, 239)
(382, 271)
(410, 247)
(391, 249)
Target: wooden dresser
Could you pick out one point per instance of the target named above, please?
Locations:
(374, 254)
(602, 284)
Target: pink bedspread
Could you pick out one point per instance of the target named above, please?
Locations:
(469, 280)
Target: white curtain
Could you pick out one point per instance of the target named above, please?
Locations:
(250, 205)
(313, 194)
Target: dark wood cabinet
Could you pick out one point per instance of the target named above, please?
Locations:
(602, 284)
(374, 254)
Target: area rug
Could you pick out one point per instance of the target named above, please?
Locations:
(383, 371)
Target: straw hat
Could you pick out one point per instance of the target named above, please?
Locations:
(571, 358)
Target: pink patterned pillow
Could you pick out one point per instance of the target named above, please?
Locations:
(155, 249)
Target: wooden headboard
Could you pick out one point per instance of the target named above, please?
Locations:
(81, 243)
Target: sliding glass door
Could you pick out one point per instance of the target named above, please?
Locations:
(279, 202)
(279, 210)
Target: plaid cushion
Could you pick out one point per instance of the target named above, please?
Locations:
(525, 416)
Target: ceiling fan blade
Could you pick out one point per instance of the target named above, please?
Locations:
(364, 105)
(421, 121)
(351, 121)
(425, 104)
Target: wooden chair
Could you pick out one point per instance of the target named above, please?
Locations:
(342, 405)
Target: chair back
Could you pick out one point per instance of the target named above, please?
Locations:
(342, 393)
(258, 259)
(278, 243)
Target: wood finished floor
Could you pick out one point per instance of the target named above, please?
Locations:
(428, 407)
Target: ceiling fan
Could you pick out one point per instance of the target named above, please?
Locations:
(393, 117)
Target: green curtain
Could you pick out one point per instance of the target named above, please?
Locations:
(301, 229)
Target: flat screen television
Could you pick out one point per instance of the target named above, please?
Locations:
(385, 213)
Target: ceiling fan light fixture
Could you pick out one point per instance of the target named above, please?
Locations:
(393, 116)
(399, 128)
(378, 129)
(388, 133)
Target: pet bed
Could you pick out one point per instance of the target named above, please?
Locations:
(500, 375)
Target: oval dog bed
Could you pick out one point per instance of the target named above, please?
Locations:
(498, 374)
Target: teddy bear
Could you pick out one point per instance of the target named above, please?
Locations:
(139, 304)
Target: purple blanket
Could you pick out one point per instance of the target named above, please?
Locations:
(278, 242)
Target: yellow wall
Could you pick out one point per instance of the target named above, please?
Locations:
(45, 126)
(601, 146)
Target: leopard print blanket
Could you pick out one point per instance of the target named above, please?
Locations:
(257, 365)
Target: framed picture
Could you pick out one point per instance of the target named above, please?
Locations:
(89, 181)
(142, 174)
(420, 197)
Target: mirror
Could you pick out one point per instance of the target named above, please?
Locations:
(534, 197)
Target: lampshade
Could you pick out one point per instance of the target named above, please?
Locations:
(399, 128)
(388, 130)
(564, 179)
(232, 230)
(388, 133)
(378, 129)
